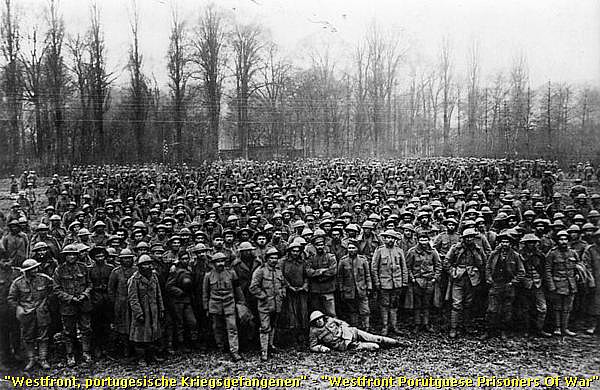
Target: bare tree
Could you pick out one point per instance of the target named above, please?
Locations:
(178, 68)
(138, 87)
(472, 99)
(246, 43)
(208, 43)
(448, 100)
(81, 70)
(57, 79)
(99, 81)
(33, 84)
(11, 82)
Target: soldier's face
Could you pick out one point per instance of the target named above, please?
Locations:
(261, 241)
(273, 259)
(388, 240)
(504, 243)
(220, 264)
(71, 258)
(228, 238)
(563, 241)
(352, 250)
(320, 322)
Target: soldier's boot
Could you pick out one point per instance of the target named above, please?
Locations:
(43, 352)
(595, 326)
(426, 324)
(30, 352)
(565, 324)
(394, 321)
(70, 357)
(354, 319)
(140, 356)
(557, 323)
(453, 323)
(264, 346)
(85, 350)
(384, 321)
(539, 325)
(365, 323)
(417, 320)
(272, 348)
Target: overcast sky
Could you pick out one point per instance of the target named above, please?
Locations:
(559, 38)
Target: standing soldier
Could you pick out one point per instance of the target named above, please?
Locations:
(9, 335)
(321, 272)
(424, 270)
(117, 291)
(15, 243)
(465, 262)
(591, 259)
(390, 277)
(220, 292)
(147, 309)
(355, 285)
(72, 286)
(504, 270)
(560, 271)
(295, 312)
(269, 288)
(179, 287)
(102, 309)
(29, 294)
(531, 298)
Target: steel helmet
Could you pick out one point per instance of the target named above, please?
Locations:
(315, 315)
(29, 264)
(40, 245)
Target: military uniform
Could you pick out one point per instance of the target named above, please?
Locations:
(180, 290)
(269, 288)
(321, 272)
(220, 293)
(117, 291)
(354, 284)
(465, 265)
(9, 335)
(424, 270)
(70, 282)
(390, 277)
(531, 300)
(504, 270)
(102, 307)
(339, 336)
(31, 295)
(560, 271)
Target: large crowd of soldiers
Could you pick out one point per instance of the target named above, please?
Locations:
(146, 260)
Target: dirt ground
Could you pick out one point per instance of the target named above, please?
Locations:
(430, 355)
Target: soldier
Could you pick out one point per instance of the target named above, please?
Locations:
(117, 292)
(327, 333)
(355, 286)
(102, 309)
(561, 283)
(504, 271)
(147, 309)
(29, 295)
(73, 287)
(531, 301)
(321, 271)
(390, 278)
(269, 287)
(465, 263)
(220, 292)
(295, 305)
(424, 270)
(591, 259)
(56, 230)
(9, 335)
(15, 243)
(179, 288)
